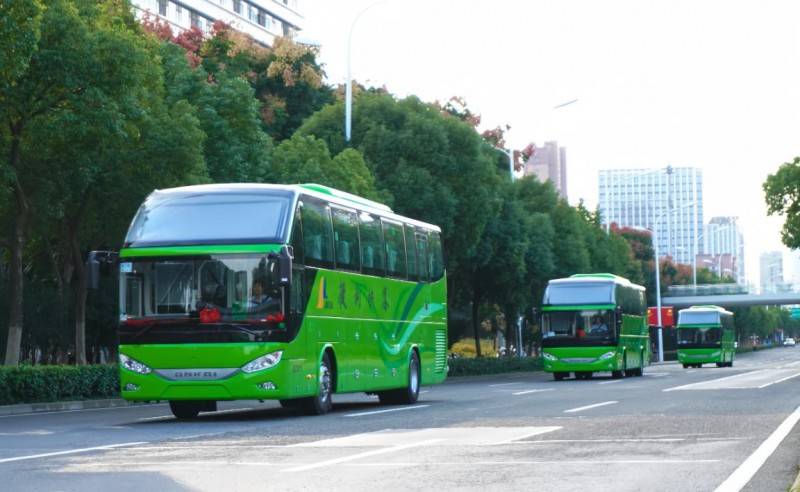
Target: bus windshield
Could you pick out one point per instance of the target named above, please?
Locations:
(699, 337)
(236, 288)
(587, 325)
(579, 293)
(698, 318)
(200, 218)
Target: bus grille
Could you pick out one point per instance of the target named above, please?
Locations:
(441, 351)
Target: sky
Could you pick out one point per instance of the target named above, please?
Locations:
(711, 84)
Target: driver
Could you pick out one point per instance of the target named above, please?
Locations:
(599, 326)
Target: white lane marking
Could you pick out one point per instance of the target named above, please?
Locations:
(587, 407)
(557, 462)
(71, 451)
(27, 433)
(612, 381)
(230, 410)
(631, 439)
(779, 381)
(656, 374)
(160, 417)
(29, 414)
(689, 372)
(742, 475)
(532, 391)
(541, 430)
(361, 414)
(504, 384)
(365, 454)
(684, 386)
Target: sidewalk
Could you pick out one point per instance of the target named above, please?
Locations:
(62, 406)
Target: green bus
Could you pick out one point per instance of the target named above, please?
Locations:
(287, 292)
(594, 323)
(706, 335)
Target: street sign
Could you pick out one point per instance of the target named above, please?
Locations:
(667, 316)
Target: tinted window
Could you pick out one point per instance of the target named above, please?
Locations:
(411, 254)
(395, 249)
(435, 259)
(422, 254)
(345, 235)
(317, 234)
(372, 257)
(210, 217)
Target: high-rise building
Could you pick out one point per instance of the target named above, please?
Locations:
(549, 163)
(771, 266)
(668, 201)
(723, 248)
(264, 20)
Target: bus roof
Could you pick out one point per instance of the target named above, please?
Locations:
(603, 278)
(707, 308)
(326, 193)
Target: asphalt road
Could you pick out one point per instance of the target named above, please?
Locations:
(673, 429)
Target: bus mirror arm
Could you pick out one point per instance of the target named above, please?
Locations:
(618, 317)
(93, 263)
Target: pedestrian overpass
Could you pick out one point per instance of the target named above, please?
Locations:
(731, 300)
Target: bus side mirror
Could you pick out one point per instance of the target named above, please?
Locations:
(93, 271)
(618, 317)
(284, 265)
(93, 263)
(534, 315)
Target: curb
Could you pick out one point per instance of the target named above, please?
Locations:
(62, 406)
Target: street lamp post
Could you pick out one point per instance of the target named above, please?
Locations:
(510, 154)
(348, 89)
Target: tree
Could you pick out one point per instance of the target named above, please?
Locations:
(20, 22)
(305, 159)
(782, 194)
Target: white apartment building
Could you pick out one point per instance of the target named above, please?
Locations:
(264, 20)
(724, 237)
(668, 201)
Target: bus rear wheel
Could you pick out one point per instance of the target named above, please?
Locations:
(409, 394)
(558, 376)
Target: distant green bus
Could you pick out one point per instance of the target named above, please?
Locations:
(594, 323)
(706, 335)
(251, 291)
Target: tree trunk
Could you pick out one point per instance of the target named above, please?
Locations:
(80, 300)
(475, 327)
(17, 247)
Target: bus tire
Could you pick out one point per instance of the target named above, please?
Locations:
(622, 372)
(185, 410)
(409, 394)
(686, 366)
(322, 402)
(640, 370)
(721, 364)
(558, 376)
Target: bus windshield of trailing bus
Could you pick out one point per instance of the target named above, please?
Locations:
(697, 335)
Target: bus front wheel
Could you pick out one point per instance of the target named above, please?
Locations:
(322, 402)
(188, 409)
(558, 376)
(409, 394)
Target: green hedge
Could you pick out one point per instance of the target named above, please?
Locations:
(32, 384)
(463, 366)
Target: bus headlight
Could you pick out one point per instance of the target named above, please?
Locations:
(549, 356)
(608, 355)
(263, 362)
(133, 365)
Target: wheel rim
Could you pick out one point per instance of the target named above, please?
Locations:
(324, 383)
(413, 381)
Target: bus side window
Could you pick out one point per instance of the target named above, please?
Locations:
(317, 234)
(411, 253)
(372, 257)
(297, 237)
(395, 250)
(435, 256)
(345, 234)
(422, 252)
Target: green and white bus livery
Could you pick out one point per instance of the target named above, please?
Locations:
(296, 292)
(706, 335)
(594, 323)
